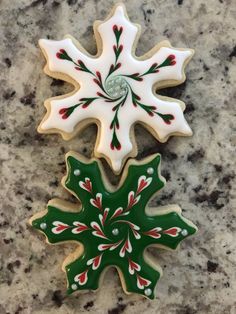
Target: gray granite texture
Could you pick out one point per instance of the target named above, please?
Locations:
(198, 278)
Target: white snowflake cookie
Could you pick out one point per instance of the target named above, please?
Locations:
(115, 89)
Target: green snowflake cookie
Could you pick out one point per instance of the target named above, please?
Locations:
(112, 227)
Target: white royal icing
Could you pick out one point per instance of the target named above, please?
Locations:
(101, 110)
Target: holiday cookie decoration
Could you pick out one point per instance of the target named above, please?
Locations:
(115, 89)
(112, 227)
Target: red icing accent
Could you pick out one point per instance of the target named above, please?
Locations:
(99, 231)
(118, 147)
(154, 233)
(126, 247)
(87, 185)
(80, 62)
(106, 246)
(171, 57)
(80, 228)
(64, 116)
(82, 278)
(143, 183)
(132, 200)
(104, 216)
(85, 105)
(97, 260)
(61, 227)
(117, 213)
(172, 231)
(63, 110)
(133, 265)
(97, 202)
(98, 75)
(142, 281)
(96, 81)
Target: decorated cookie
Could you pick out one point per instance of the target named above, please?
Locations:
(115, 89)
(113, 227)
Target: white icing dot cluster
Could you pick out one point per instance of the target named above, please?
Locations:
(116, 87)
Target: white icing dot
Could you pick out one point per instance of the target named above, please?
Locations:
(115, 231)
(43, 225)
(184, 232)
(150, 170)
(148, 292)
(74, 286)
(76, 172)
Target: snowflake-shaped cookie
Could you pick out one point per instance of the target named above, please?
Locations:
(112, 226)
(115, 89)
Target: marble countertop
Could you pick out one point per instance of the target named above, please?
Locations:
(198, 278)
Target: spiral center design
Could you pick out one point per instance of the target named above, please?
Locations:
(116, 87)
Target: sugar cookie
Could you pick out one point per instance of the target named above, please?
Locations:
(115, 89)
(112, 226)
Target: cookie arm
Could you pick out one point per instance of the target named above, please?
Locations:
(140, 183)
(66, 112)
(163, 117)
(165, 67)
(84, 180)
(167, 229)
(137, 275)
(59, 225)
(84, 272)
(65, 58)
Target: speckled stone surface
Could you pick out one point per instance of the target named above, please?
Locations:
(200, 276)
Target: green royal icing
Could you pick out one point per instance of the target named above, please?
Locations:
(113, 226)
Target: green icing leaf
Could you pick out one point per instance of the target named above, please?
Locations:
(113, 226)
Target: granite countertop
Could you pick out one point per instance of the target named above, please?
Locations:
(200, 276)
